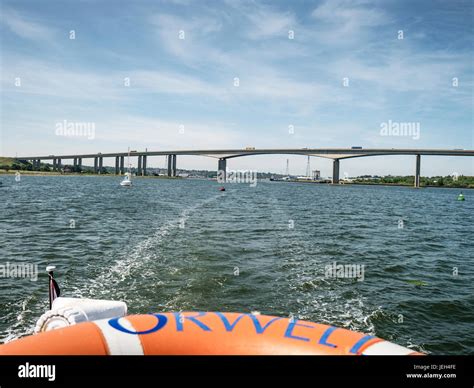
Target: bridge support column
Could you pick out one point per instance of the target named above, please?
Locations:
(144, 164)
(139, 169)
(75, 162)
(101, 163)
(79, 163)
(96, 163)
(221, 170)
(417, 171)
(173, 167)
(335, 172)
(117, 168)
(54, 164)
(122, 163)
(169, 164)
(58, 164)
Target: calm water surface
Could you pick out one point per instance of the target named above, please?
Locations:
(166, 245)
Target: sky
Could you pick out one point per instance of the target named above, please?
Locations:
(170, 75)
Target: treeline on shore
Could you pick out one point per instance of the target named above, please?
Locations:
(461, 181)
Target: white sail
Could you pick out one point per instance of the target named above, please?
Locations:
(127, 180)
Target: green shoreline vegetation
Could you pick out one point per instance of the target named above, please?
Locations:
(12, 165)
(461, 181)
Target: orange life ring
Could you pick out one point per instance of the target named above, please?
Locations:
(192, 333)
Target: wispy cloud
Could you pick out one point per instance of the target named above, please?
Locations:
(182, 37)
(268, 23)
(43, 78)
(25, 27)
(350, 15)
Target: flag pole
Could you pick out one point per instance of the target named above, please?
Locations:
(50, 269)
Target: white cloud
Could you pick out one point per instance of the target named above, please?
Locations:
(195, 29)
(48, 79)
(260, 21)
(349, 15)
(117, 131)
(267, 23)
(173, 83)
(24, 27)
(344, 24)
(156, 133)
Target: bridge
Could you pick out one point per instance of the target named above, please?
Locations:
(336, 154)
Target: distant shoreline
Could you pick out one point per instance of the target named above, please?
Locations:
(51, 173)
(382, 184)
(54, 173)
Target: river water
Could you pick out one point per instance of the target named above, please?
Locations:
(180, 245)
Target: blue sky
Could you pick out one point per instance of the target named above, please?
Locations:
(182, 92)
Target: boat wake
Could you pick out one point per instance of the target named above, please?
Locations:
(136, 268)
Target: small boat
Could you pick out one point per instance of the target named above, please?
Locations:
(461, 197)
(222, 188)
(127, 181)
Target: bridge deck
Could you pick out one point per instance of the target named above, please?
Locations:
(333, 153)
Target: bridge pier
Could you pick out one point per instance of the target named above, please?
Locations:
(171, 165)
(335, 172)
(139, 169)
(144, 164)
(221, 169)
(117, 161)
(101, 162)
(417, 171)
(79, 163)
(122, 162)
(173, 169)
(58, 164)
(96, 162)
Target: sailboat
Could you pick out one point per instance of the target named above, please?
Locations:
(127, 180)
